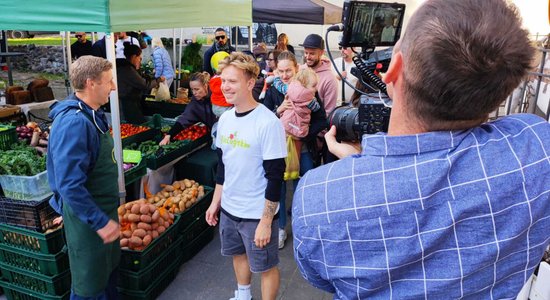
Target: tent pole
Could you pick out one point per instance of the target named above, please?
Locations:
(179, 61)
(174, 53)
(250, 37)
(115, 117)
(236, 38)
(65, 67)
(69, 56)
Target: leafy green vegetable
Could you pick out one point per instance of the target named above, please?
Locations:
(21, 160)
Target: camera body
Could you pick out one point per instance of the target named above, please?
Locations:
(370, 117)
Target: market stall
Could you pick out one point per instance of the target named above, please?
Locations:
(161, 230)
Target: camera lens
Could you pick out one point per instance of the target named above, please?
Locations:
(346, 120)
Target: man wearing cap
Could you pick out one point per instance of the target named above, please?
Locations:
(82, 46)
(220, 44)
(327, 88)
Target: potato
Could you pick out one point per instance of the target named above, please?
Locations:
(133, 226)
(144, 226)
(177, 210)
(171, 217)
(124, 242)
(152, 208)
(154, 234)
(128, 205)
(181, 205)
(135, 241)
(147, 240)
(166, 224)
(176, 185)
(135, 208)
(166, 194)
(144, 209)
(154, 226)
(187, 183)
(139, 232)
(145, 218)
(155, 216)
(188, 204)
(169, 188)
(133, 218)
(121, 210)
(125, 217)
(156, 199)
(161, 229)
(127, 233)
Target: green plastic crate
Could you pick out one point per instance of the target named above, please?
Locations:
(47, 264)
(189, 250)
(154, 163)
(48, 243)
(136, 172)
(14, 292)
(140, 281)
(140, 137)
(57, 285)
(8, 136)
(197, 209)
(131, 260)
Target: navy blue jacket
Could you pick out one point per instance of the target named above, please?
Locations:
(208, 56)
(195, 111)
(73, 150)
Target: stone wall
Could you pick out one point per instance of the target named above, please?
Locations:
(38, 59)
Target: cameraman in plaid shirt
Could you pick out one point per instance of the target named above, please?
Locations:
(445, 205)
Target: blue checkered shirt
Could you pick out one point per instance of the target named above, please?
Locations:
(440, 215)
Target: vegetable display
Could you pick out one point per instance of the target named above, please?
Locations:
(178, 196)
(152, 148)
(21, 160)
(141, 223)
(127, 130)
(192, 133)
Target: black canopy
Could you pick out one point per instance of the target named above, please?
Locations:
(295, 12)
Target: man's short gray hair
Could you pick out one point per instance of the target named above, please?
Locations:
(88, 67)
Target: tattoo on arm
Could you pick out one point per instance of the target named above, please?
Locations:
(269, 209)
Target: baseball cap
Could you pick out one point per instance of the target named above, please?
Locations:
(314, 41)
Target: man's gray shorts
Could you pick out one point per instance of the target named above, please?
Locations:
(237, 238)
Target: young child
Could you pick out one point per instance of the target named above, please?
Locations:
(219, 105)
(300, 92)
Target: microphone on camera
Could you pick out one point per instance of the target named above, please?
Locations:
(336, 27)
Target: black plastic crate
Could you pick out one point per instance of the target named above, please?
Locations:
(154, 163)
(189, 250)
(46, 243)
(57, 285)
(140, 137)
(33, 215)
(156, 288)
(14, 292)
(135, 173)
(197, 209)
(131, 260)
(47, 264)
(192, 231)
(140, 281)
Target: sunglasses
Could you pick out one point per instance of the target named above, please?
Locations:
(340, 48)
(78, 36)
(220, 37)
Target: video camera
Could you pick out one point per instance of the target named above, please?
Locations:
(368, 25)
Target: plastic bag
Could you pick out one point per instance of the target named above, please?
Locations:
(163, 93)
(292, 160)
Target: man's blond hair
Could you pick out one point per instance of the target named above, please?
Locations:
(244, 62)
(88, 67)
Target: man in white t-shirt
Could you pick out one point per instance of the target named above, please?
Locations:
(346, 58)
(119, 46)
(251, 146)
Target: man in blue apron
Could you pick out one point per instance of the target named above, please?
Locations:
(82, 173)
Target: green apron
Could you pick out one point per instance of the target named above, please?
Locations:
(90, 260)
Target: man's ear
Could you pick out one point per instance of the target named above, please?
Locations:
(395, 68)
(251, 84)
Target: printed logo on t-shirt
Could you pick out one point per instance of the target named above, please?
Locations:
(234, 141)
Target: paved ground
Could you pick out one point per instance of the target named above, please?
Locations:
(209, 275)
